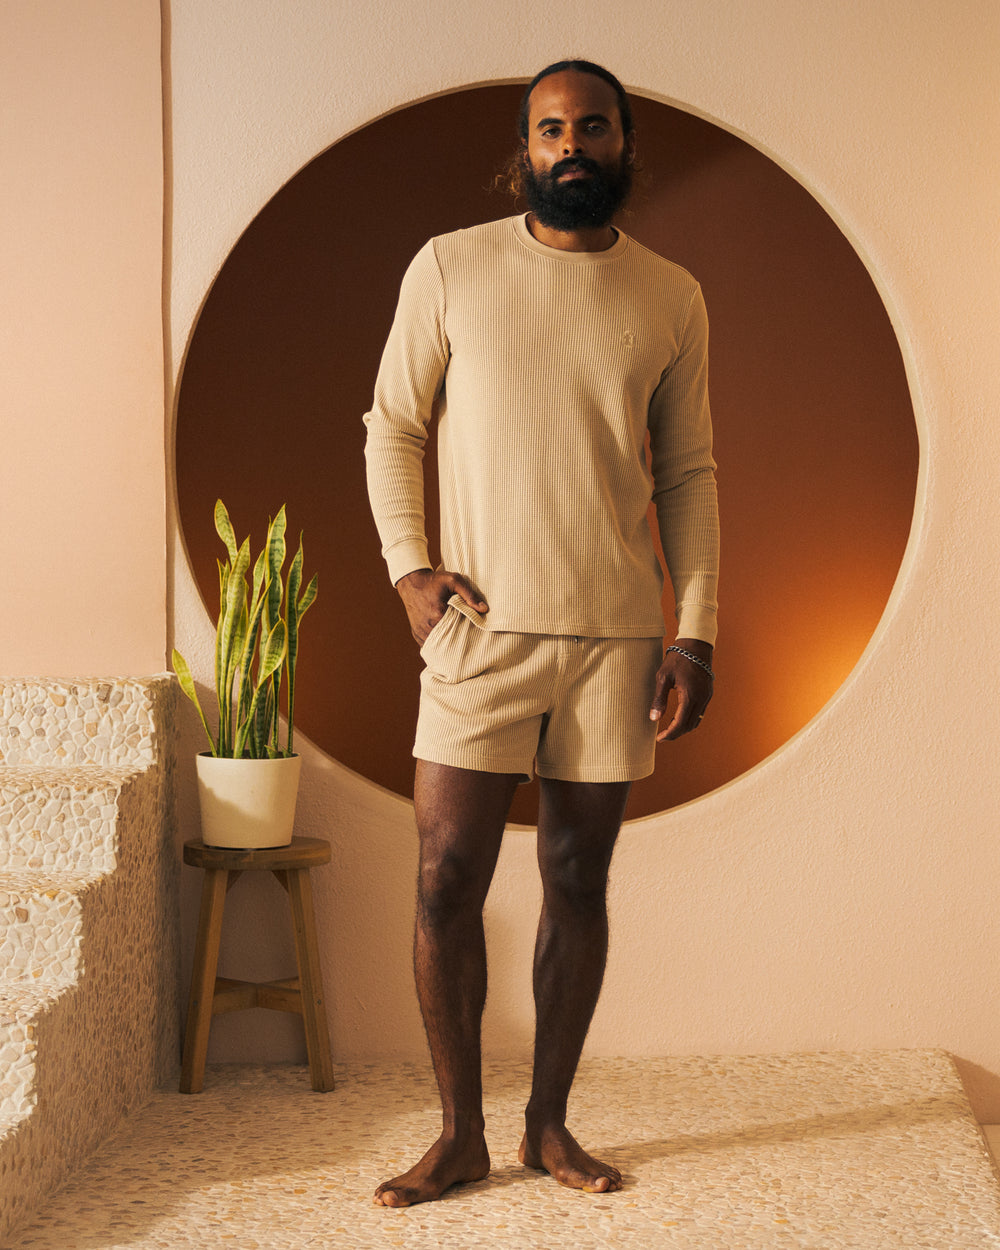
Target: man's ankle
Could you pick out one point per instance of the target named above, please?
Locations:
(462, 1129)
(540, 1115)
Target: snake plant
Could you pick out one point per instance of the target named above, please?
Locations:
(256, 644)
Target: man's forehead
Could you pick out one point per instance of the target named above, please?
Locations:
(572, 93)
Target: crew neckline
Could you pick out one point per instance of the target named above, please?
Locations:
(571, 258)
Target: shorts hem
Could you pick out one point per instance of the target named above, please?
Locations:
(607, 775)
(475, 763)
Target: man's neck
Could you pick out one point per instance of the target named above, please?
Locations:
(598, 239)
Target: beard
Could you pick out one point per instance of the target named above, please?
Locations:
(583, 203)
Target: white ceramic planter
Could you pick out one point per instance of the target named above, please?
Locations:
(247, 803)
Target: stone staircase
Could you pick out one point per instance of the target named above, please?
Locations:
(88, 920)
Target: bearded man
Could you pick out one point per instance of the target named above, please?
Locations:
(549, 346)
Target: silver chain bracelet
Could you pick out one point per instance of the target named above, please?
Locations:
(689, 655)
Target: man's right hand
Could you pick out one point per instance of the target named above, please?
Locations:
(425, 594)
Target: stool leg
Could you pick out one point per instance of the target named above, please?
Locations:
(201, 998)
(310, 979)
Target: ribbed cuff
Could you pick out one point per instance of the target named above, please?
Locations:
(698, 621)
(405, 557)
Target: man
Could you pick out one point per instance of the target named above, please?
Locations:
(547, 345)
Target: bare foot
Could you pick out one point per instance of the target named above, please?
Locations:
(444, 1165)
(555, 1150)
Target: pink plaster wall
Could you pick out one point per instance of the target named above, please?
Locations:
(82, 472)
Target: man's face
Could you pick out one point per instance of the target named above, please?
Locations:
(577, 162)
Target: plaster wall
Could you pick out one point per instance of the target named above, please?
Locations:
(842, 894)
(82, 480)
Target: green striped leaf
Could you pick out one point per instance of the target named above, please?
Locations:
(224, 528)
(275, 548)
(220, 659)
(180, 667)
(275, 648)
(309, 596)
(247, 683)
(295, 609)
(259, 569)
(227, 653)
(262, 721)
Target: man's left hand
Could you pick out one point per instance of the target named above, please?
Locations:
(692, 684)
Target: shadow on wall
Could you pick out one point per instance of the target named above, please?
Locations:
(815, 435)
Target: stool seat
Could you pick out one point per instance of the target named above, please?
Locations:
(211, 994)
(300, 853)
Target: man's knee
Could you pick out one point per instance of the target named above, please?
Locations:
(576, 878)
(450, 885)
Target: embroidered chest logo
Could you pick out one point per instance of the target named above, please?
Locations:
(628, 339)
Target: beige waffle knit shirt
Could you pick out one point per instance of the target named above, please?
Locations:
(546, 369)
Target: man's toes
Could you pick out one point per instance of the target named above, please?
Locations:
(604, 1184)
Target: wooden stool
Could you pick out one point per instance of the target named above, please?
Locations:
(211, 994)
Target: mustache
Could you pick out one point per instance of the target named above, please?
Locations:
(582, 163)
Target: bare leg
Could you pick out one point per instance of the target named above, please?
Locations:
(460, 820)
(577, 829)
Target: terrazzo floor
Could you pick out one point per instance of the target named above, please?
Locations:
(826, 1151)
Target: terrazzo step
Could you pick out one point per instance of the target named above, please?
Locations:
(88, 907)
(110, 721)
(41, 926)
(21, 1006)
(60, 818)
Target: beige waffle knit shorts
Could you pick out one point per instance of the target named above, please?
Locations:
(576, 709)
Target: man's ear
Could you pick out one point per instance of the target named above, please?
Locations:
(630, 148)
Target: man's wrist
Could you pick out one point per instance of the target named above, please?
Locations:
(703, 650)
(407, 576)
(690, 657)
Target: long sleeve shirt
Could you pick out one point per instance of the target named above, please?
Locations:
(547, 369)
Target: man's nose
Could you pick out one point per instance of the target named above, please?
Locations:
(572, 141)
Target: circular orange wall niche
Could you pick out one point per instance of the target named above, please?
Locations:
(815, 435)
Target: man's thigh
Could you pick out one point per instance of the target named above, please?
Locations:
(460, 816)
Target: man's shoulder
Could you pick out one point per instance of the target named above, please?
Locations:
(487, 236)
(455, 261)
(658, 267)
